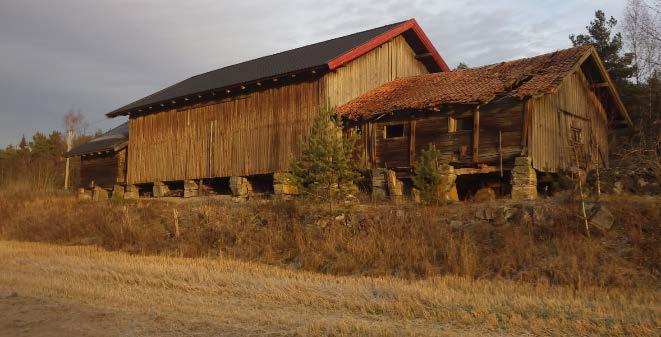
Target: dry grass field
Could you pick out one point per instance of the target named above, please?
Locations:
(212, 267)
(169, 296)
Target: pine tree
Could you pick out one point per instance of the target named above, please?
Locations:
(462, 66)
(609, 46)
(326, 168)
(427, 173)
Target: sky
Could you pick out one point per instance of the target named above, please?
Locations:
(96, 56)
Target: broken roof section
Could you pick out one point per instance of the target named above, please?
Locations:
(113, 140)
(322, 56)
(523, 78)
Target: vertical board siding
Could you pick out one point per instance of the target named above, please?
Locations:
(390, 61)
(253, 134)
(553, 116)
(257, 133)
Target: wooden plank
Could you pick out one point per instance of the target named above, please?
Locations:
(476, 133)
(412, 157)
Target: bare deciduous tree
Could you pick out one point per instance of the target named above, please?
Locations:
(75, 120)
(642, 29)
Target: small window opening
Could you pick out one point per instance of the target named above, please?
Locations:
(576, 136)
(394, 131)
(460, 124)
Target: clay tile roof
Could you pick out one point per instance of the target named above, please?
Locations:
(519, 78)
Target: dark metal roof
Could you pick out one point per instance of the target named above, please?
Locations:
(307, 57)
(111, 140)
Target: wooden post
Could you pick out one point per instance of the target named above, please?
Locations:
(476, 134)
(500, 151)
(68, 163)
(597, 168)
(412, 145)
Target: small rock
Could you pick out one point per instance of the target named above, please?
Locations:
(485, 194)
(321, 223)
(455, 224)
(340, 218)
(642, 182)
(11, 294)
(601, 218)
(485, 213)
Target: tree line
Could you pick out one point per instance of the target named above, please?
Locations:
(39, 162)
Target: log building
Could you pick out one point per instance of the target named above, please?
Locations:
(248, 119)
(553, 111)
(103, 159)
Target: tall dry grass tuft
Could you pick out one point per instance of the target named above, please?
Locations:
(543, 243)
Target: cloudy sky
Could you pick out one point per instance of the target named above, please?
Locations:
(95, 56)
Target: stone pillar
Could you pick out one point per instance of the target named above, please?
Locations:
(160, 190)
(191, 189)
(379, 184)
(416, 195)
(395, 186)
(524, 180)
(282, 184)
(131, 192)
(83, 194)
(240, 186)
(99, 194)
(447, 186)
(118, 192)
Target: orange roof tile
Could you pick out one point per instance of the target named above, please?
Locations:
(519, 78)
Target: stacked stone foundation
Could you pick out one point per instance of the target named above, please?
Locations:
(524, 180)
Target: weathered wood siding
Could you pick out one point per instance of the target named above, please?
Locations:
(253, 134)
(552, 118)
(390, 61)
(257, 133)
(501, 126)
(100, 169)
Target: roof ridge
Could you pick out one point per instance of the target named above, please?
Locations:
(529, 57)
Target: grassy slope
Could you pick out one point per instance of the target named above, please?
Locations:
(247, 298)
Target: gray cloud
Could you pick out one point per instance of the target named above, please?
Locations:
(98, 55)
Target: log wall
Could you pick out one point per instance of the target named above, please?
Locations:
(552, 118)
(501, 126)
(104, 170)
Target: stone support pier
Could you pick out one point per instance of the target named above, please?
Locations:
(395, 186)
(131, 192)
(191, 189)
(447, 187)
(240, 186)
(282, 185)
(524, 180)
(160, 189)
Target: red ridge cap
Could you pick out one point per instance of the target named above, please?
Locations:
(385, 37)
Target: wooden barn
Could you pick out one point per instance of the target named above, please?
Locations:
(513, 119)
(103, 159)
(246, 121)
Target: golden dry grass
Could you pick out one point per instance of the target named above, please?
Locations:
(543, 243)
(252, 299)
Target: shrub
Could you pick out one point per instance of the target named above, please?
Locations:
(326, 169)
(427, 174)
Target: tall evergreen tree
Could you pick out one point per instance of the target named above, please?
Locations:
(601, 35)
